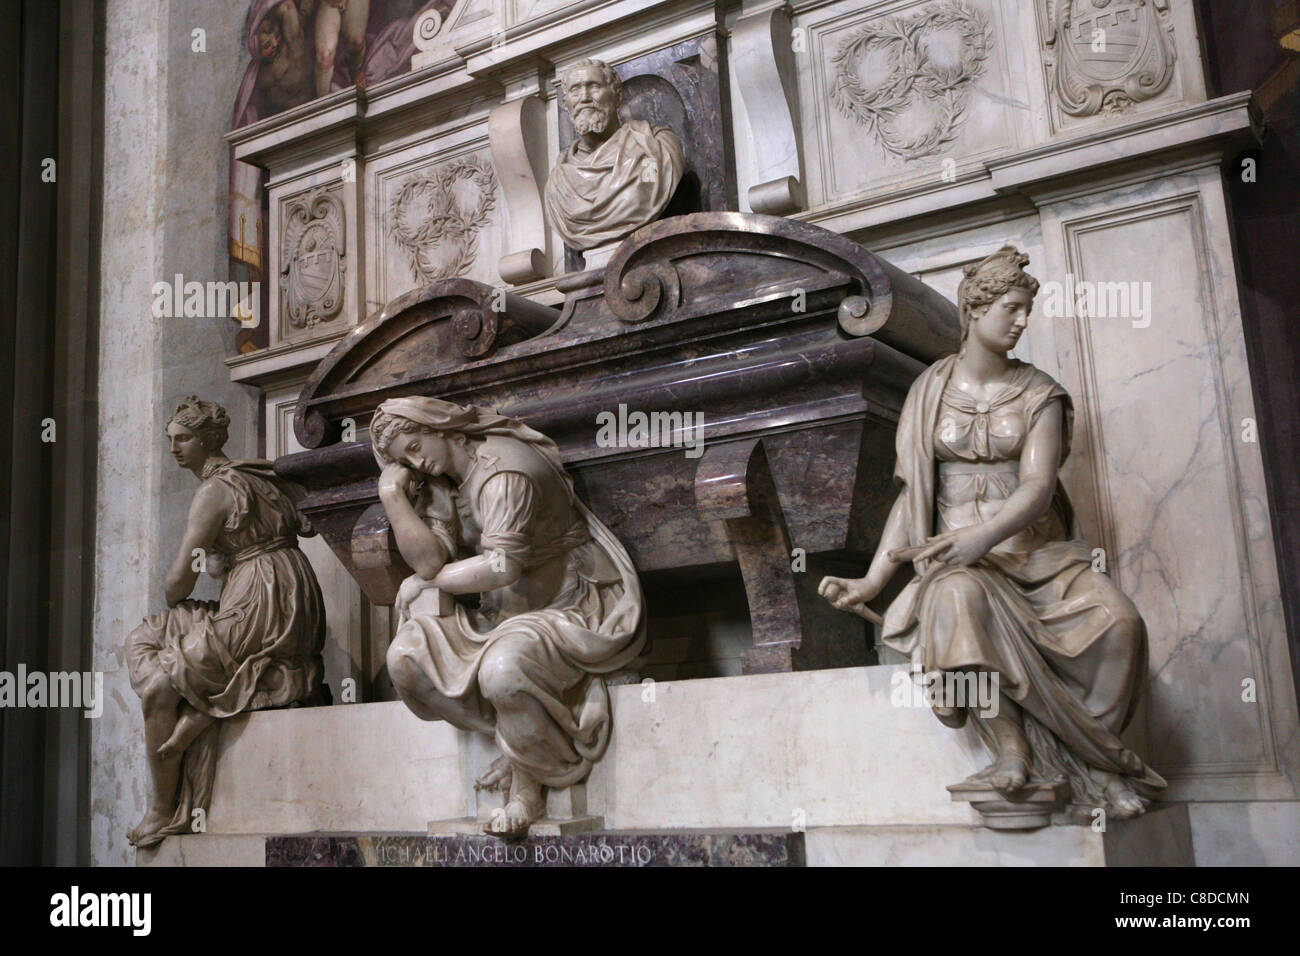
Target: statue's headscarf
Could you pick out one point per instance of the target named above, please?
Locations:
(438, 415)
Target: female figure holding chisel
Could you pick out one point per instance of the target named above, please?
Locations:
(1004, 583)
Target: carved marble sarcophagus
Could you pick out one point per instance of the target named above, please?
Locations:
(792, 346)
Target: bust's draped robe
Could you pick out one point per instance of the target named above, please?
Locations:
(1068, 646)
(597, 196)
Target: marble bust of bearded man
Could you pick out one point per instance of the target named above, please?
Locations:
(615, 177)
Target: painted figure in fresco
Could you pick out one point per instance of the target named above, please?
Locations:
(1004, 583)
(615, 177)
(283, 57)
(289, 43)
(335, 20)
(258, 647)
(481, 505)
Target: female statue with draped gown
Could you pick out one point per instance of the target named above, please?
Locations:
(1004, 583)
(258, 647)
(481, 505)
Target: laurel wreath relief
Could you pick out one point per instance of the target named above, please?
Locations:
(436, 216)
(914, 72)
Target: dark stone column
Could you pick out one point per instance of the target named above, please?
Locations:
(1244, 52)
(49, 258)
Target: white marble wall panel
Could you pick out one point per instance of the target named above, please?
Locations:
(1172, 482)
(371, 767)
(436, 212)
(900, 92)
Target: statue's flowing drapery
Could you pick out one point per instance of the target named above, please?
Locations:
(548, 642)
(259, 646)
(1068, 646)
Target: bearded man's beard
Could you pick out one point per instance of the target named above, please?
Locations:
(591, 119)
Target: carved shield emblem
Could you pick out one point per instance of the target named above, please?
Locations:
(313, 253)
(1107, 55)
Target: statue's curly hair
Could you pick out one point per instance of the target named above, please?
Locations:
(606, 71)
(987, 281)
(208, 420)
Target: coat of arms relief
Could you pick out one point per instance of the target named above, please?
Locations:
(313, 259)
(1105, 56)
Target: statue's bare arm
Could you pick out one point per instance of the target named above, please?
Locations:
(1039, 459)
(481, 573)
(208, 512)
(418, 545)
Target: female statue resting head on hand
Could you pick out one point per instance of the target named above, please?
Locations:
(481, 504)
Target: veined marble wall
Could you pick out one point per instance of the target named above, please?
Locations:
(932, 131)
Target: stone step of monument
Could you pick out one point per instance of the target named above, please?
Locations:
(547, 826)
(690, 848)
(1160, 838)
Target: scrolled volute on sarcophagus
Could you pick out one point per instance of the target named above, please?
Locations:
(775, 353)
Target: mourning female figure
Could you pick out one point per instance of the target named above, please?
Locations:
(258, 647)
(480, 505)
(1004, 584)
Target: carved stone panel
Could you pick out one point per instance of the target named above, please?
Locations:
(906, 79)
(435, 217)
(907, 92)
(438, 217)
(313, 260)
(1106, 56)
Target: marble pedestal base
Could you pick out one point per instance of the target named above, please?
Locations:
(1161, 837)
(1029, 809)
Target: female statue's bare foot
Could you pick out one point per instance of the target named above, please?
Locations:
(145, 833)
(1008, 774)
(188, 727)
(497, 776)
(526, 805)
(1123, 800)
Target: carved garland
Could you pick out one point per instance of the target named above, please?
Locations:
(913, 73)
(436, 224)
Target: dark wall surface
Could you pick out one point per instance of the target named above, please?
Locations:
(1244, 48)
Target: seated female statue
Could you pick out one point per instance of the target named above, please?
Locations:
(481, 506)
(258, 647)
(1004, 584)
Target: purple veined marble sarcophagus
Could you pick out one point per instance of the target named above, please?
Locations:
(795, 344)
